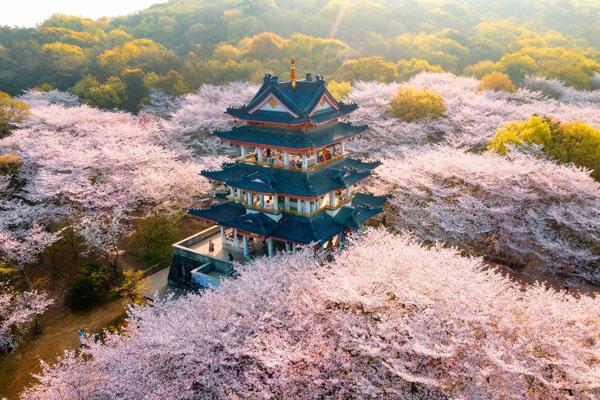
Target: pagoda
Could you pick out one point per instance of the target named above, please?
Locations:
(294, 183)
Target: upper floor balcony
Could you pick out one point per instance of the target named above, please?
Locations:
(294, 161)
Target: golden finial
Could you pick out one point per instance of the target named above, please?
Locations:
(293, 73)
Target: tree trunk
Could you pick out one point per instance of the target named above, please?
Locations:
(26, 277)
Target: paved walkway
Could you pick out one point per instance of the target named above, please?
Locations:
(156, 286)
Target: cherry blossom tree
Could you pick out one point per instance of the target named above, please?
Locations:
(523, 209)
(80, 162)
(472, 116)
(386, 319)
(161, 104)
(556, 89)
(17, 311)
(103, 233)
(204, 111)
(37, 98)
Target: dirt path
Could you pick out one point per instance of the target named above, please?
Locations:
(59, 332)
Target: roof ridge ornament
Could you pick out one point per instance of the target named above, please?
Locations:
(293, 73)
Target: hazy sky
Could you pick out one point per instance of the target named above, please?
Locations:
(32, 12)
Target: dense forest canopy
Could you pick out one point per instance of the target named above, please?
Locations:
(177, 46)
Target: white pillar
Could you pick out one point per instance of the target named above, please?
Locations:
(304, 161)
(270, 247)
(236, 239)
(308, 206)
(231, 191)
(287, 246)
(259, 154)
(286, 159)
(239, 194)
(276, 203)
(347, 193)
(222, 236)
(262, 201)
(249, 199)
(243, 151)
(286, 203)
(293, 246)
(246, 251)
(343, 147)
(332, 199)
(300, 206)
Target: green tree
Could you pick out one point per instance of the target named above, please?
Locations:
(413, 105)
(497, 81)
(569, 142)
(367, 69)
(339, 90)
(91, 286)
(409, 68)
(12, 112)
(10, 163)
(131, 286)
(154, 236)
(108, 95)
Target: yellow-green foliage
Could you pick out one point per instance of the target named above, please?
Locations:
(12, 111)
(409, 68)
(112, 93)
(367, 69)
(569, 142)
(414, 105)
(10, 163)
(339, 90)
(497, 81)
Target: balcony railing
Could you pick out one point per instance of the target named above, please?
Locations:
(341, 202)
(251, 159)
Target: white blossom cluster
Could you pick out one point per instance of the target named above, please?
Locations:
(520, 208)
(83, 162)
(471, 119)
(387, 319)
(17, 310)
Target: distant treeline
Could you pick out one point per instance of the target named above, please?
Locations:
(177, 46)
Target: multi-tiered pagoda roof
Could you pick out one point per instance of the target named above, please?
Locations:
(294, 182)
(292, 102)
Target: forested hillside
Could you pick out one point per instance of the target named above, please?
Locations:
(177, 46)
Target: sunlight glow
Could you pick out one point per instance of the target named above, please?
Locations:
(29, 13)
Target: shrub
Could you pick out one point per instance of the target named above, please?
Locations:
(10, 163)
(497, 81)
(339, 90)
(91, 286)
(154, 236)
(413, 105)
(571, 142)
